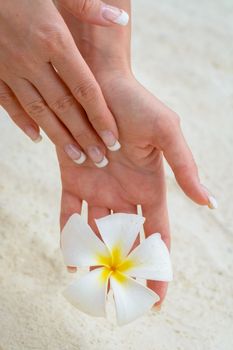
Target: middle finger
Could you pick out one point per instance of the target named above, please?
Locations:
(72, 115)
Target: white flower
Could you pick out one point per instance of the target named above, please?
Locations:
(114, 261)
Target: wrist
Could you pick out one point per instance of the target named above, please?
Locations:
(101, 58)
(104, 49)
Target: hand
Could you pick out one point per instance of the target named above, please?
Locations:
(147, 128)
(45, 81)
(134, 175)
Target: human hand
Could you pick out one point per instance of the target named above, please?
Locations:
(148, 129)
(134, 175)
(45, 82)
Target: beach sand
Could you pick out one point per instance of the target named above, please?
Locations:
(183, 53)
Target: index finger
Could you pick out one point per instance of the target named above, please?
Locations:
(78, 77)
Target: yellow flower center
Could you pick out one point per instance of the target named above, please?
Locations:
(114, 264)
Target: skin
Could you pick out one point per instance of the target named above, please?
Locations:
(44, 81)
(148, 131)
(135, 174)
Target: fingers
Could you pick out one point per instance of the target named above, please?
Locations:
(180, 158)
(82, 84)
(95, 12)
(96, 213)
(9, 102)
(70, 204)
(37, 109)
(157, 221)
(68, 110)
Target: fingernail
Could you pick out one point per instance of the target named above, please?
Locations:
(71, 269)
(115, 15)
(103, 163)
(110, 140)
(33, 134)
(212, 201)
(97, 156)
(75, 154)
(213, 204)
(157, 307)
(39, 138)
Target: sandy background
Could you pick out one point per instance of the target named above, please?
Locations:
(183, 52)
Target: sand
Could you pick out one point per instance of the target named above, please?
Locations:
(183, 53)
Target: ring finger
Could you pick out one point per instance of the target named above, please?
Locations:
(70, 112)
(34, 105)
(9, 102)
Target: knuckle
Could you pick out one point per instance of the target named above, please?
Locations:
(6, 98)
(167, 125)
(19, 117)
(36, 108)
(80, 135)
(63, 104)
(97, 119)
(86, 92)
(85, 137)
(21, 57)
(52, 37)
(83, 7)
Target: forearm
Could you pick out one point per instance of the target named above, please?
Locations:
(103, 48)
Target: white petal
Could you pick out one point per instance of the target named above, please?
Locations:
(150, 260)
(120, 230)
(80, 246)
(88, 293)
(132, 299)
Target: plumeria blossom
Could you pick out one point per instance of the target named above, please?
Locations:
(115, 262)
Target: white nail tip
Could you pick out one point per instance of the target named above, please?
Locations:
(213, 204)
(123, 19)
(103, 163)
(39, 138)
(115, 147)
(81, 160)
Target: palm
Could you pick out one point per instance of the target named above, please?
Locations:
(134, 174)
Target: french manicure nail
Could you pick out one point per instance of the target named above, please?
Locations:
(39, 138)
(212, 201)
(110, 140)
(33, 134)
(213, 204)
(97, 156)
(103, 163)
(75, 154)
(71, 269)
(157, 307)
(115, 15)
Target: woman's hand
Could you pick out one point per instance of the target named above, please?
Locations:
(45, 82)
(135, 174)
(147, 129)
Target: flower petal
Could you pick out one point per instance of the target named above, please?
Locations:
(131, 298)
(80, 245)
(150, 260)
(88, 293)
(120, 230)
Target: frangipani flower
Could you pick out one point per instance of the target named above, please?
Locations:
(115, 263)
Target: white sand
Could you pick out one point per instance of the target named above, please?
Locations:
(183, 52)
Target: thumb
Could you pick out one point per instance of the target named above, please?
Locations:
(95, 12)
(181, 160)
